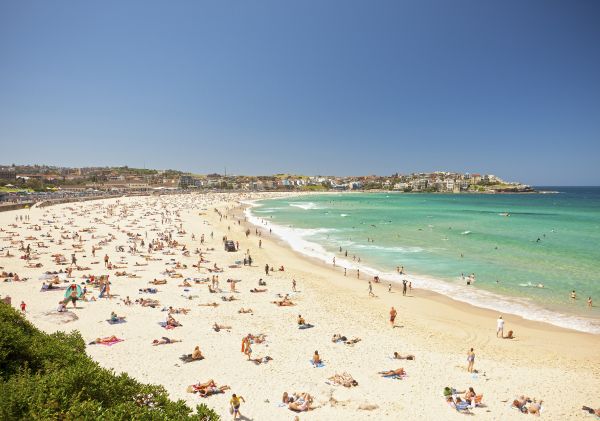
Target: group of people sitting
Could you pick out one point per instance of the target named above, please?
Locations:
(298, 402)
(468, 401)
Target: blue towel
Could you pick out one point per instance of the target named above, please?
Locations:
(320, 365)
(305, 326)
(116, 322)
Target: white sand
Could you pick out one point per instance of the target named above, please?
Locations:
(560, 366)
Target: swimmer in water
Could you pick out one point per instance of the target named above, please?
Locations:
(573, 295)
(540, 285)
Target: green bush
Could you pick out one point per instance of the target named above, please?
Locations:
(50, 377)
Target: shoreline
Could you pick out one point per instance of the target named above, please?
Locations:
(439, 287)
(463, 306)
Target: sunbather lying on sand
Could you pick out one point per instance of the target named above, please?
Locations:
(172, 322)
(164, 341)
(217, 327)
(208, 388)
(185, 284)
(591, 410)
(397, 356)
(158, 282)
(106, 340)
(259, 361)
(244, 310)
(344, 379)
(230, 298)
(180, 310)
(148, 302)
(258, 290)
(390, 373)
(339, 338)
(209, 305)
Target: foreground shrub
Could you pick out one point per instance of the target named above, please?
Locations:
(50, 377)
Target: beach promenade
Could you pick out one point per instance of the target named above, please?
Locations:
(557, 366)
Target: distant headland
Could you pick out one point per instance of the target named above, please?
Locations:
(47, 180)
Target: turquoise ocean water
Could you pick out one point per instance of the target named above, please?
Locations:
(512, 243)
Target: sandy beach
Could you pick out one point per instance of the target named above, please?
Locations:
(557, 366)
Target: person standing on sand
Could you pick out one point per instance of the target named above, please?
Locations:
(106, 260)
(393, 314)
(470, 360)
(267, 269)
(390, 287)
(23, 306)
(334, 261)
(294, 285)
(500, 327)
(371, 289)
(589, 301)
(404, 287)
(573, 295)
(259, 244)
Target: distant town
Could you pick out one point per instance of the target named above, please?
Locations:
(42, 180)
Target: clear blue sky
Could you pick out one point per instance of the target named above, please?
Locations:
(314, 86)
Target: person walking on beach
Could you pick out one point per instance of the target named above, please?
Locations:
(470, 360)
(573, 295)
(404, 287)
(259, 244)
(393, 314)
(294, 285)
(267, 269)
(23, 306)
(106, 260)
(235, 406)
(371, 289)
(500, 327)
(334, 261)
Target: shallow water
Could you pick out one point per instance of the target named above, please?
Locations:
(512, 243)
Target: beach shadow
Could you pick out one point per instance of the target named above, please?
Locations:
(245, 418)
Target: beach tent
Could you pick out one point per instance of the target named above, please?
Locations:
(79, 291)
